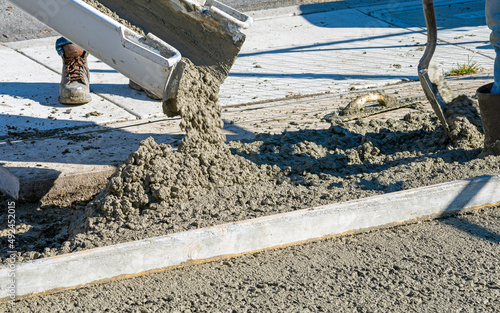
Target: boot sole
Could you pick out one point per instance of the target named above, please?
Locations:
(74, 100)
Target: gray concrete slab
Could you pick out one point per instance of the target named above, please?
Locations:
(16, 25)
(223, 241)
(289, 54)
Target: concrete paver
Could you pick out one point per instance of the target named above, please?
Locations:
(460, 23)
(339, 50)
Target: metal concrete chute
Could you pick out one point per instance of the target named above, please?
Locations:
(207, 32)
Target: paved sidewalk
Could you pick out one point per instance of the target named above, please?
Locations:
(286, 54)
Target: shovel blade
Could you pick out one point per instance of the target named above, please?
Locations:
(432, 96)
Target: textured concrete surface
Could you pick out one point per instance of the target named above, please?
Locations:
(16, 25)
(444, 265)
(254, 235)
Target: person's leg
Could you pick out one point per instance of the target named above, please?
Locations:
(74, 87)
(493, 21)
(60, 42)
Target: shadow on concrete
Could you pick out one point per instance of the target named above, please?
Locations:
(468, 227)
(351, 153)
(237, 132)
(332, 44)
(336, 77)
(47, 93)
(462, 202)
(448, 15)
(37, 92)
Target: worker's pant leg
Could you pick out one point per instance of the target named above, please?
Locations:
(60, 43)
(493, 21)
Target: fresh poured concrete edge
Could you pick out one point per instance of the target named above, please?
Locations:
(9, 184)
(222, 241)
(66, 188)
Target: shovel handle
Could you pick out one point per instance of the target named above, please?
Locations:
(430, 22)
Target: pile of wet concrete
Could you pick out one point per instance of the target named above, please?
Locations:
(207, 181)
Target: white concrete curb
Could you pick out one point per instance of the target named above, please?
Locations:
(9, 184)
(196, 246)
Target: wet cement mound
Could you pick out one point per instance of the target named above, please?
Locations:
(464, 120)
(157, 178)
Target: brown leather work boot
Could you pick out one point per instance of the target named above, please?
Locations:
(74, 87)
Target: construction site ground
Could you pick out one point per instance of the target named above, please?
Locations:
(299, 65)
(447, 265)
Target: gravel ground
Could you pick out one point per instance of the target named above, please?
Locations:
(445, 265)
(15, 25)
